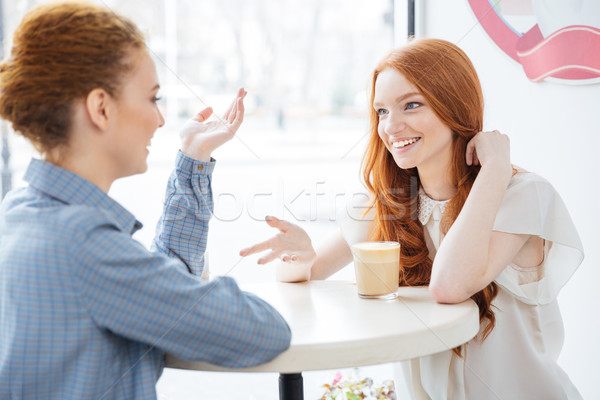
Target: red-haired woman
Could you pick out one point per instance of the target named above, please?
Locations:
(470, 224)
(87, 312)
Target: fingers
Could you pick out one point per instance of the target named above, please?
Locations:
(273, 255)
(204, 114)
(268, 258)
(234, 114)
(289, 258)
(229, 109)
(231, 112)
(470, 153)
(257, 248)
(488, 146)
(270, 244)
(280, 224)
(239, 114)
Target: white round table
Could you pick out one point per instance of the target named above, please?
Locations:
(333, 328)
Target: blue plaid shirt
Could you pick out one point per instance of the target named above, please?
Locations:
(86, 312)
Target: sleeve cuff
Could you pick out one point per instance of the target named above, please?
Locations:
(189, 167)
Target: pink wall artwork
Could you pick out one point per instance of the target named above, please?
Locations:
(554, 40)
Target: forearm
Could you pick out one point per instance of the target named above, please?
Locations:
(227, 327)
(461, 263)
(182, 229)
(334, 255)
(148, 298)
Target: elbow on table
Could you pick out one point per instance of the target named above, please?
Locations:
(282, 342)
(447, 294)
(264, 351)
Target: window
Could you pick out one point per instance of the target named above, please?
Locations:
(306, 68)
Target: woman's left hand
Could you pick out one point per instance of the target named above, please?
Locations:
(490, 149)
(199, 137)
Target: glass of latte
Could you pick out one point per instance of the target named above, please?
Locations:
(377, 268)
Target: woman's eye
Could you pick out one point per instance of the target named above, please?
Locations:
(412, 105)
(381, 111)
(156, 99)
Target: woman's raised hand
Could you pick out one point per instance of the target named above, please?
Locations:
(490, 149)
(291, 244)
(199, 137)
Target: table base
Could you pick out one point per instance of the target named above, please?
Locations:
(291, 387)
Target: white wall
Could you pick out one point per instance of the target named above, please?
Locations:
(555, 132)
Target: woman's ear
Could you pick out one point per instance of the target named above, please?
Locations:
(97, 105)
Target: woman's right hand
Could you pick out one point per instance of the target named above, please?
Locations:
(200, 136)
(290, 245)
(491, 150)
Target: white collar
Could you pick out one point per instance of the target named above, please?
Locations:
(427, 205)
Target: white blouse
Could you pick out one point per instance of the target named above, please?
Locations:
(518, 360)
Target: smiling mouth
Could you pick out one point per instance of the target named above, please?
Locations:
(403, 143)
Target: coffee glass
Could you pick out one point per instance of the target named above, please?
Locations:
(377, 268)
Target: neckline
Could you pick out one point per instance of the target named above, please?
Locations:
(427, 205)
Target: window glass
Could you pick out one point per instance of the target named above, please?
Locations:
(306, 67)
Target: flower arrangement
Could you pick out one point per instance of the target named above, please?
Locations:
(355, 388)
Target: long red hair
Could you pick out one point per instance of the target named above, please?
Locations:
(445, 77)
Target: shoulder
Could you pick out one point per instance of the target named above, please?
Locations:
(524, 177)
(531, 205)
(38, 227)
(31, 212)
(31, 207)
(22, 199)
(529, 185)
